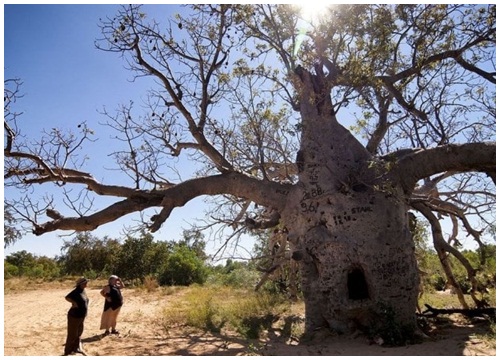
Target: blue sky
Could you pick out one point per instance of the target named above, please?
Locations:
(66, 80)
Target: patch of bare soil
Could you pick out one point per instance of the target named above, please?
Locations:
(35, 325)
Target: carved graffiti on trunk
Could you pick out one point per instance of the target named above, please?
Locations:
(347, 217)
(313, 170)
(309, 206)
(313, 193)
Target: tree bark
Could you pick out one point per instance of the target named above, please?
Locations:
(348, 227)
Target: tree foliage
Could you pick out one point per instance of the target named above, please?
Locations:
(172, 263)
(183, 267)
(141, 256)
(87, 253)
(25, 264)
(10, 233)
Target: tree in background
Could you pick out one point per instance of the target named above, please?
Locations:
(185, 262)
(90, 255)
(236, 274)
(141, 256)
(22, 260)
(172, 263)
(195, 241)
(332, 129)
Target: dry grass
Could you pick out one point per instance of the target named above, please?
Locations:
(16, 285)
(444, 300)
(219, 307)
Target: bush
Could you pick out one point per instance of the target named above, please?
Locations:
(23, 263)
(87, 252)
(183, 267)
(140, 257)
(437, 282)
(9, 270)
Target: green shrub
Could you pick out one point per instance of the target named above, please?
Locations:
(26, 264)
(90, 274)
(183, 267)
(9, 270)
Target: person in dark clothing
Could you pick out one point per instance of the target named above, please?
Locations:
(76, 317)
(112, 304)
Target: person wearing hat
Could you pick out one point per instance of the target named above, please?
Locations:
(112, 304)
(76, 317)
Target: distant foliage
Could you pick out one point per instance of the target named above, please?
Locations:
(138, 260)
(88, 254)
(140, 257)
(23, 263)
(236, 274)
(183, 267)
(160, 263)
(434, 279)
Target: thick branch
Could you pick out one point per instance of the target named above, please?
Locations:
(267, 223)
(490, 76)
(262, 192)
(92, 222)
(420, 164)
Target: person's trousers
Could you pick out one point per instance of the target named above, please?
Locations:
(75, 331)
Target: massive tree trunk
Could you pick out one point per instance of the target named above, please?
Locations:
(349, 230)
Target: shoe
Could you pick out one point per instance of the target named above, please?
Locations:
(115, 332)
(106, 332)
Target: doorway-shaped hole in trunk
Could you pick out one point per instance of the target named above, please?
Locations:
(356, 285)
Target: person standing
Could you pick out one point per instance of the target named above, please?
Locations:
(112, 304)
(76, 317)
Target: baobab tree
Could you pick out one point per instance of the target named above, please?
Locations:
(332, 130)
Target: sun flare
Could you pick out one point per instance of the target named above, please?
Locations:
(314, 10)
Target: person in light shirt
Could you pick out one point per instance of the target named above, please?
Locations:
(112, 304)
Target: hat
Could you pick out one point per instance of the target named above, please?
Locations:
(81, 281)
(113, 277)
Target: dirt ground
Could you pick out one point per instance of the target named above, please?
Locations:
(35, 325)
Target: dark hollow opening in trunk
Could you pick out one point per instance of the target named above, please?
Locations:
(356, 285)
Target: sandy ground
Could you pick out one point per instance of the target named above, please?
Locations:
(35, 325)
